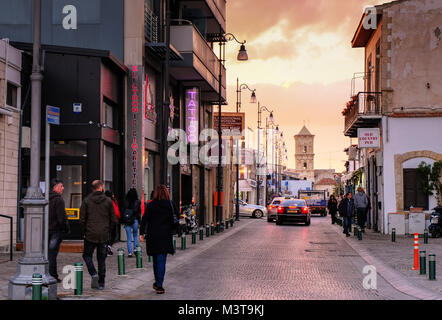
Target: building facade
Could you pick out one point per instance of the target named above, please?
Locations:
(400, 104)
(10, 107)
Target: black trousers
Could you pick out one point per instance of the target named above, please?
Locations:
(362, 217)
(88, 251)
(333, 216)
(55, 239)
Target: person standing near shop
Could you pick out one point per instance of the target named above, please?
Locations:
(97, 217)
(157, 228)
(332, 207)
(361, 203)
(346, 210)
(130, 218)
(58, 224)
(113, 232)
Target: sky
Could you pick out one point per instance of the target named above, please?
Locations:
(301, 64)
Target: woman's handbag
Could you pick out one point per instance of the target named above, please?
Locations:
(176, 221)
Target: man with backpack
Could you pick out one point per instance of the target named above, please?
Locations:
(130, 218)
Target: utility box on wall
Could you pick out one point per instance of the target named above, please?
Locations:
(397, 221)
(416, 222)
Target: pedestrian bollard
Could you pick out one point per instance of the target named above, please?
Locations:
(139, 257)
(201, 234)
(416, 251)
(212, 229)
(193, 236)
(150, 259)
(227, 224)
(218, 227)
(222, 226)
(37, 286)
(207, 231)
(423, 262)
(432, 266)
(426, 236)
(183, 241)
(359, 234)
(174, 243)
(393, 235)
(78, 279)
(231, 222)
(121, 269)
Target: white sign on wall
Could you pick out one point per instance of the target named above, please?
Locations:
(369, 137)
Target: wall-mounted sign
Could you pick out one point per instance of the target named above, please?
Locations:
(369, 137)
(192, 108)
(73, 213)
(78, 107)
(53, 115)
(232, 123)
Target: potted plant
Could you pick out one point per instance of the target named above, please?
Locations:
(431, 181)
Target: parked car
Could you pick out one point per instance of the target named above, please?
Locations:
(272, 208)
(251, 210)
(294, 211)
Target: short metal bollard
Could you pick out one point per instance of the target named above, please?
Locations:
(359, 234)
(426, 236)
(432, 266)
(212, 229)
(183, 241)
(193, 236)
(423, 262)
(37, 286)
(78, 267)
(121, 269)
(150, 259)
(393, 235)
(174, 243)
(207, 231)
(218, 227)
(139, 256)
(231, 222)
(227, 224)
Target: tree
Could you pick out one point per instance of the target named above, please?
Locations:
(430, 179)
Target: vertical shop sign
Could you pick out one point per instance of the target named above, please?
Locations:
(192, 109)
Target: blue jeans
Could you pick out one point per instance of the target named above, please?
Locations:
(347, 224)
(159, 268)
(132, 231)
(55, 239)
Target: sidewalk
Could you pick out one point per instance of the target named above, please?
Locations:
(394, 261)
(120, 287)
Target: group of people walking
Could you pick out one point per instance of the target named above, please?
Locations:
(100, 216)
(349, 207)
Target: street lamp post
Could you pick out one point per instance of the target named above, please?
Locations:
(239, 89)
(33, 260)
(258, 182)
(222, 38)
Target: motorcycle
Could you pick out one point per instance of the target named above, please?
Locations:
(435, 228)
(188, 219)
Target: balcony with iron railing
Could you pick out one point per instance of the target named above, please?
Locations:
(215, 11)
(362, 111)
(151, 23)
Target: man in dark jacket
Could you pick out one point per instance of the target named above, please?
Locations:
(58, 224)
(97, 217)
(347, 211)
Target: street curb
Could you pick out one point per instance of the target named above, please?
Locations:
(393, 277)
(139, 279)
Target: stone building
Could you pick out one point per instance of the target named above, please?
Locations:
(10, 92)
(304, 154)
(399, 107)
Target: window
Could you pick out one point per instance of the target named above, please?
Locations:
(305, 165)
(414, 195)
(108, 115)
(305, 149)
(108, 166)
(11, 95)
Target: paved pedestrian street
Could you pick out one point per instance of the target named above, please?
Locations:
(257, 260)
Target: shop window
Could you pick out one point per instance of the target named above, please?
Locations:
(414, 195)
(11, 95)
(108, 165)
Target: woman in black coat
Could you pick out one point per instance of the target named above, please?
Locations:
(157, 228)
(332, 206)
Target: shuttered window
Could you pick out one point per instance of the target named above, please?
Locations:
(413, 193)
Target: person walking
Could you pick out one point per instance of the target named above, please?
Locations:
(332, 207)
(361, 204)
(113, 232)
(347, 210)
(58, 224)
(97, 218)
(157, 228)
(130, 219)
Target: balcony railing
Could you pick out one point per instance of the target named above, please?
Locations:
(151, 26)
(361, 111)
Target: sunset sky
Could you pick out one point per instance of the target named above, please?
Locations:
(301, 63)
